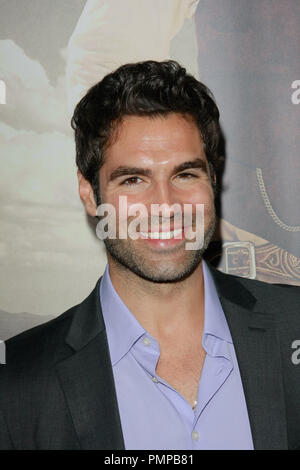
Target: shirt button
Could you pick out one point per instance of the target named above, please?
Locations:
(155, 380)
(195, 435)
(146, 341)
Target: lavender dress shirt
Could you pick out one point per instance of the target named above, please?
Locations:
(153, 414)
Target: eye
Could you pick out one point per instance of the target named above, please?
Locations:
(130, 181)
(187, 174)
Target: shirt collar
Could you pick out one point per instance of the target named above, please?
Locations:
(215, 322)
(123, 329)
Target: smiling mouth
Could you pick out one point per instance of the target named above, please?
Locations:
(162, 235)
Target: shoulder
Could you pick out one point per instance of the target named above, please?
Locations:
(267, 290)
(29, 368)
(29, 379)
(43, 342)
(255, 286)
(47, 344)
(38, 349)
(281, 301)
(277, 299)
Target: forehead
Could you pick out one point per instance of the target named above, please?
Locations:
(156, 137)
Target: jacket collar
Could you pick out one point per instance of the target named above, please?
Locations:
(87, 320)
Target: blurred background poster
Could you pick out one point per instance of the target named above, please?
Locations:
(52, 51)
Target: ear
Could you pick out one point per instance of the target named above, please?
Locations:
(86, 194)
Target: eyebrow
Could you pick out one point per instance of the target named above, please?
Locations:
(126, 170)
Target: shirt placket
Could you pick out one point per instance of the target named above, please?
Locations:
(146, 352)
(217, 367)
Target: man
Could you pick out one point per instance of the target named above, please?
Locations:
(166, 352)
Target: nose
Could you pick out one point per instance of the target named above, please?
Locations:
(164, 194)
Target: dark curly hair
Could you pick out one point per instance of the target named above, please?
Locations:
(146, 88)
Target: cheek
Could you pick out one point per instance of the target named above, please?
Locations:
(127, 207)
(203, 195)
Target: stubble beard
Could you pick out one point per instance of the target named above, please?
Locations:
(126, 257)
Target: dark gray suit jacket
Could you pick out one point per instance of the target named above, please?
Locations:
(57, 388)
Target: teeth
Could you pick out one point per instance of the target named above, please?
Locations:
(162, 235)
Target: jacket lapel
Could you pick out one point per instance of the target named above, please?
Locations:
(86, 378)
(257, 349)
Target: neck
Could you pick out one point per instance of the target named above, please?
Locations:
(163, 309)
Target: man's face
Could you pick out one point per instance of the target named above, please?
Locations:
(143, 165)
